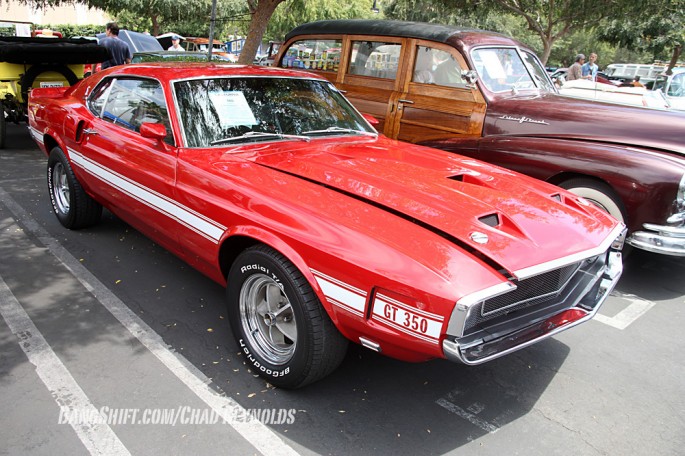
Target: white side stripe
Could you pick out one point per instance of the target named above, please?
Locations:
(184, 215)
(341, 294)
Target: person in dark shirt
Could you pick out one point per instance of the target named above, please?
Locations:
(118, 50)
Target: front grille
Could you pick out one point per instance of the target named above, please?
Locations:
(542, 290)
(530, 289)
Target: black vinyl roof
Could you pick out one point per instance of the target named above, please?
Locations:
(420, 30)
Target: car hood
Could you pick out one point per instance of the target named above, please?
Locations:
(457, 198)
(559, 116)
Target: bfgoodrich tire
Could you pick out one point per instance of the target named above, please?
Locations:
(278, 321)
(73, 207)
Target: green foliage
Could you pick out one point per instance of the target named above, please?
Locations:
(296, 12)
(71, 30)
(654, 34)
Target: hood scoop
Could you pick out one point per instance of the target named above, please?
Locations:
(470, 179)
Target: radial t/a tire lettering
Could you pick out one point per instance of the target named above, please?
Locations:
(73, 207)
(279, 323)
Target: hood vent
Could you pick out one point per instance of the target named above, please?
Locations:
(490, 220)
(469, 179)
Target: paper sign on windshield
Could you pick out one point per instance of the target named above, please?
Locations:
(232, 108)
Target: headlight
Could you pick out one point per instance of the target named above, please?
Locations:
(678, 218)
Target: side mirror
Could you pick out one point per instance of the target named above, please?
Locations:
(153, 131)
(470, 76)
(371, 119)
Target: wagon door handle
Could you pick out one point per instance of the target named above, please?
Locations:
(90, 131)
(402, 100)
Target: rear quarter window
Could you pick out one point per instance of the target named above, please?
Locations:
(313, 55)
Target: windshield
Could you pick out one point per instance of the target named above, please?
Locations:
(660, 82)
(507, 70)
(232, 110)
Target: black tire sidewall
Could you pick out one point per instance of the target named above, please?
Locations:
(255, 261)
(57, 156)
(3, 128)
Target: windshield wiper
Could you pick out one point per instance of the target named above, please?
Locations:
(252, 135)
(340, 130)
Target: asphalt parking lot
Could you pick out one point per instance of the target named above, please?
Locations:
(105, 320)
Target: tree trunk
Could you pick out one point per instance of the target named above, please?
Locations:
(155, 24)
(674, 58)
(260, 19)
(546, 51)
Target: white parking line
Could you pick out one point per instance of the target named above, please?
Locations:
(97, 438)
(259, 435)
(637, 308)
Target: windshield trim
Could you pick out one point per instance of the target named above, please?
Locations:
(520, 53)
(304, 77)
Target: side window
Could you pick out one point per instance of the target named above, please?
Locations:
(374, 58)
(435, 66)
(131, 102)
(316, 55)
(677, 87)
(97, 98)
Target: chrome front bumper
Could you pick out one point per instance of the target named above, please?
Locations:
(585, 305)
(667, 240)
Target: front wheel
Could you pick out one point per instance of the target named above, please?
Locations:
(73, 207)
(278, 321)
(598, 193)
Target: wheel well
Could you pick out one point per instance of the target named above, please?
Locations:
(231, 248)
(559, 179)
(50, 143)
(563, 177)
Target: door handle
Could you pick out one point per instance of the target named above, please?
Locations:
(90, 131)
(402, 100)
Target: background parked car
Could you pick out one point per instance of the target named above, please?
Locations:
(137, 42)
(636, 96)
(673, 87)
(167, 56)
(485, 95)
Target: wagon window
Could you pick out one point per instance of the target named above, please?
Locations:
(374, 58)
(316, 55)
(132, 102)
(435, 66)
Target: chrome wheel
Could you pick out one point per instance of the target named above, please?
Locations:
(268, 319)
(60, 188)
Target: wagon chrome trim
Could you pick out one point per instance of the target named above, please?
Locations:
(666, 240)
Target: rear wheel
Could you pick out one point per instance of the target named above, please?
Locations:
(3, 127)
(73, 207)
(278, 321)
(598, 193)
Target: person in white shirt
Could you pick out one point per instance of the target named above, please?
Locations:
(176, 44)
